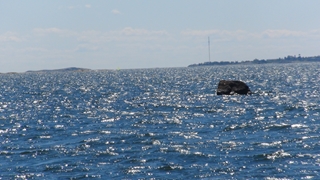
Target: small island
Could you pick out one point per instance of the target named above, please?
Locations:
(70, 69)
(288, 59)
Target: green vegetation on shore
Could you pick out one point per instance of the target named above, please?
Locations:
(288, 59)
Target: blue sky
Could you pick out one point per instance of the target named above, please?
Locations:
(119, 34)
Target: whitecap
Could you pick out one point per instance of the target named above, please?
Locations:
(299, 126)
(108, 120)
(259, 118)
(59, 126)
(105, 132)
(87, 132)
(91, 140)
(135, 169)
(45, 137)
(271, 144)
(156, 142)
(3, 131)
(278, 154)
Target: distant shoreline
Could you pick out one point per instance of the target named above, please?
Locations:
(288, 59)
(285, 60)
(61, 70)
(70, 69)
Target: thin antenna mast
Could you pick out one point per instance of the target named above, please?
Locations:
(209, 48)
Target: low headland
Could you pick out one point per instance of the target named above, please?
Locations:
(61, 70)
(69, 69)
(288, 59)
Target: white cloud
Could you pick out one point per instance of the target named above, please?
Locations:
(284, 33)
(219, 35)
(129, 31)
(280, 33)
(200, 32)
(74, 7)
(102, 48)
(115, 11)
(33, 50)
(227, 35)
(125, 34)
(48, 30)
(61, 32)
(10, 36)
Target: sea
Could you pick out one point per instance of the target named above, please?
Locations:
(161, 123)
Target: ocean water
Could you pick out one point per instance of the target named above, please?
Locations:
(161, 124)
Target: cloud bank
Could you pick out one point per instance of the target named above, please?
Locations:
(10, 37)
(241, 34)
(140, 47)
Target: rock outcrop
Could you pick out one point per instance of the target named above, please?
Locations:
(227, 87)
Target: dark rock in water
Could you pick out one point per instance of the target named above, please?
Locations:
(232, 87)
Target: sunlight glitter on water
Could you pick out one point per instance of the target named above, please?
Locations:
(161, 123)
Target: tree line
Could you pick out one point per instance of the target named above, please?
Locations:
(287, 59)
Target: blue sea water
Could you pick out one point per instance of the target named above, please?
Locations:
(165, 123)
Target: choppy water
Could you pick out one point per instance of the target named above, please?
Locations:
(161, 124)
